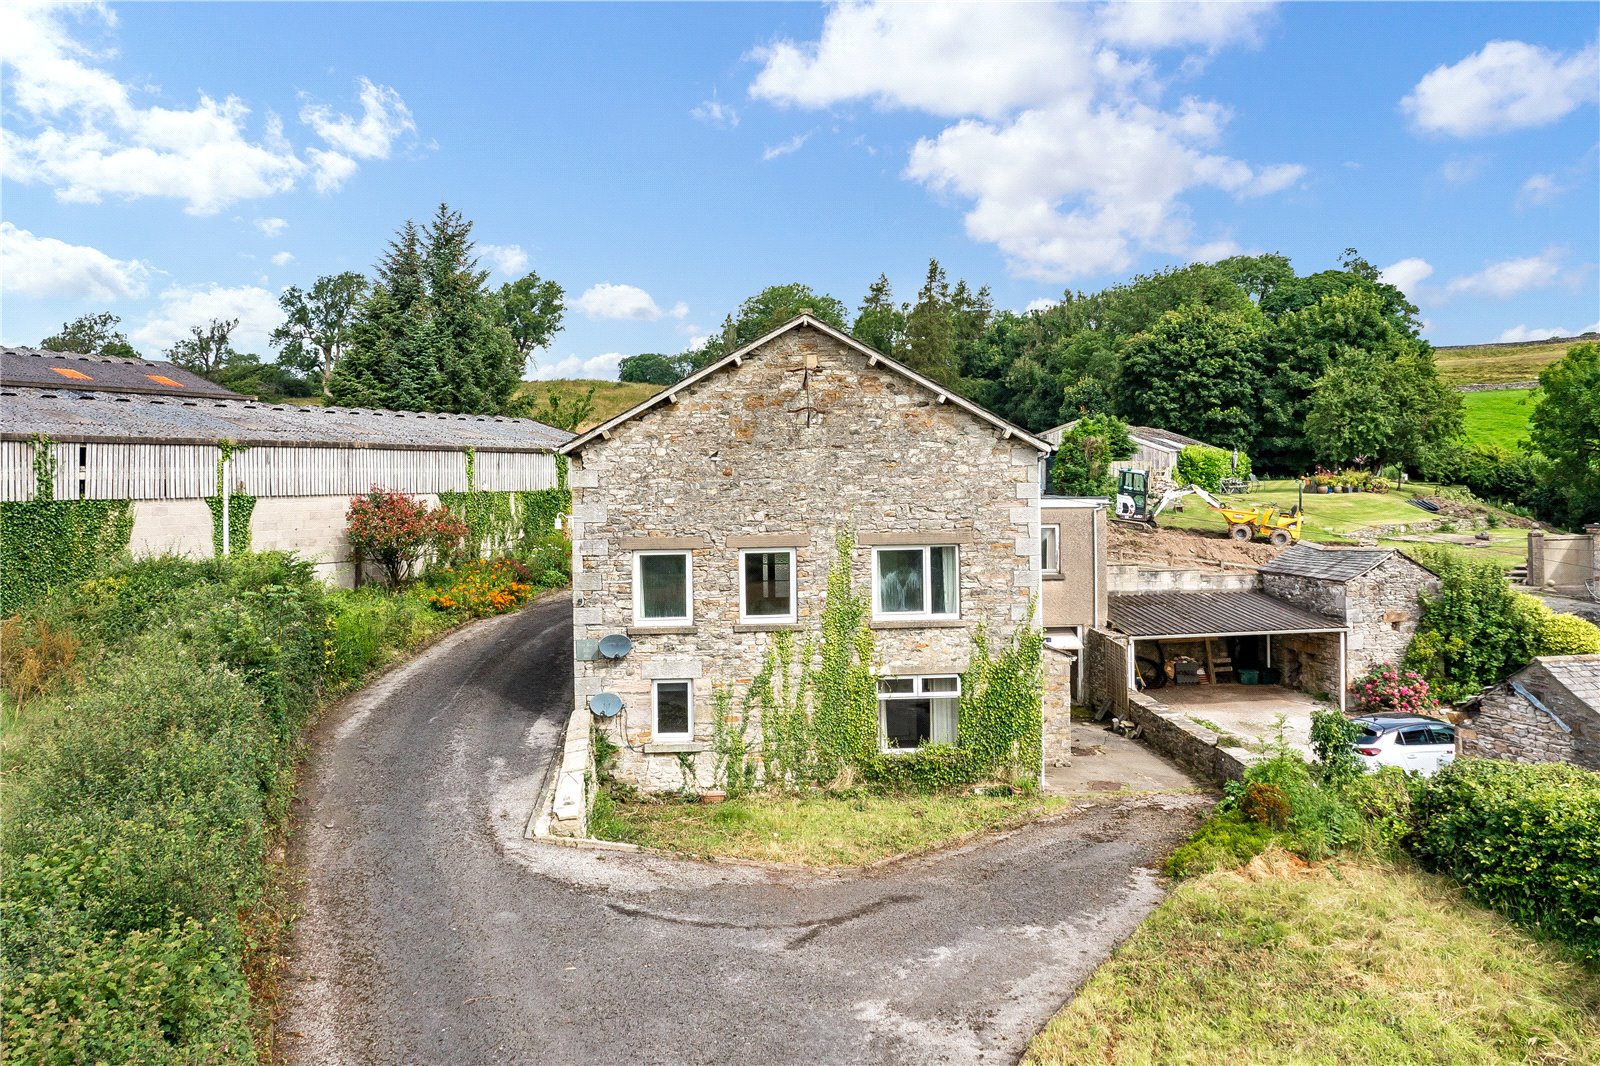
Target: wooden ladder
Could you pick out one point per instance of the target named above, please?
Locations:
(1217, 661)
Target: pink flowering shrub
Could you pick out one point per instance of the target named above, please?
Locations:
(1388, 689)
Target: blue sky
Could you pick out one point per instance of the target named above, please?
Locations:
(171, 163)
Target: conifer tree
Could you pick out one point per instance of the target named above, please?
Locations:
(930, 329)
(879, 323)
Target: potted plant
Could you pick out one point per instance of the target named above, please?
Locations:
(713, 795)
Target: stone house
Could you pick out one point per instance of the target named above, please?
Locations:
(705, 521)
(1549, 711)
(1375, 592)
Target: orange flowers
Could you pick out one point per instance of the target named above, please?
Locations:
(483, 588)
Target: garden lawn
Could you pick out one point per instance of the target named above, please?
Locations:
(1336, 963)
(1493, 364)
(1497, 417)
(1506, 548)
(1335, 516)
(611, 398)
(818, 830)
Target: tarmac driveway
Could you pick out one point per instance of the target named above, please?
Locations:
(434, 933)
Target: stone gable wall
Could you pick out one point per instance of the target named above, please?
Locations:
(1506, 726)
(772, 449)
(1385, 607)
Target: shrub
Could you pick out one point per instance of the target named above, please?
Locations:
(1388, 689)
(395, 531)
(1332, 737)
(1474, 633)
(365, 626)
(1383, 798)
(1082, 464)
(1266, 804)
(1524, 839)
(1224, 840)
(1199, 464)
(1557, 634)
(480, 589)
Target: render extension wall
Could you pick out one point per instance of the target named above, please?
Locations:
(770, 454)
(1564, 563)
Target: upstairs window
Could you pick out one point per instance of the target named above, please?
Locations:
(662, 588)
(913, 711)
(915, 582)
(1050, 549)
(766, 585)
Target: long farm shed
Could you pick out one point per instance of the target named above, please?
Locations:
(291, 469)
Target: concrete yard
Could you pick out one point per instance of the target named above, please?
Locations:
(1249, 712)
(1105, 762)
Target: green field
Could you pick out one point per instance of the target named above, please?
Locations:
(1498, 417)
(1494, 364)
(611, 398)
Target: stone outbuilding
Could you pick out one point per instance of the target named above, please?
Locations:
(706, 519)
(1376, 592)
(1549, 711)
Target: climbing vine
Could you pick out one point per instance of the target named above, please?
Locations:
(507, 521)
(46, 542)
(240, 505)
(817, 702)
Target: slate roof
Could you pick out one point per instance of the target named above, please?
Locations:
(874, 357)
(121, 417)
(1326, 564)
(1578, 674)
(1213, 614)
(34, 368)
(1161, 438)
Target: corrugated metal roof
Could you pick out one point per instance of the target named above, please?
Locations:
(1190, 614)
(1327, 564)
(69, 415)
(35, 368)
(1162, 438)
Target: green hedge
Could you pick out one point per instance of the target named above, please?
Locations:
(1524, 839)
(139, 802)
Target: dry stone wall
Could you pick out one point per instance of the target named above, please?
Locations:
(801, 441)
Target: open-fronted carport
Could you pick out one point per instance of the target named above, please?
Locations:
(1249, 625)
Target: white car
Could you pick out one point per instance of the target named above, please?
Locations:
(1409, 741)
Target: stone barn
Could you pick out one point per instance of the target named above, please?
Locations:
(1549, 711)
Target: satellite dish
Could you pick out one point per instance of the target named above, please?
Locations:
(615, 645)
(605, 704)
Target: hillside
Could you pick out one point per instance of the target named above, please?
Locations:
(611, 398)
(1502, 364)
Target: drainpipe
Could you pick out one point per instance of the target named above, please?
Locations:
(227, 476)
(1343, 684)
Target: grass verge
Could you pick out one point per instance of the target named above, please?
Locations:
(1284, 961)
(817, 830)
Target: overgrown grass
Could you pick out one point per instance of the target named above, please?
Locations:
(1345, 962)
(1494, 364)
(1499, 416)
(813, 830)
(611, 398)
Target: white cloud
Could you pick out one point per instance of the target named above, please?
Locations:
(576, 366)
(1508, 85)
(283, 259)
(606, 300)
(384, 117)
(184, 306)
(45, 266)
(75, 127)
(1176, 23)
(1539, 189)
(1406, 274)
(680, 311)
(1041, 304)
(1523, 333)
(505, 259)
(1511, 277)
(1593, 327)
(1070, 164)
(789, 147)
(1459, 170)
(271, 227)
(715, 112)
(330, 170)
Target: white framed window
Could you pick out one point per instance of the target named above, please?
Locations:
(766, 585)
(913, 711)
(1050, 549)
(672, 710)
(916, 582)
(663, 588)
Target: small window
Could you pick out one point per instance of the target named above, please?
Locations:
(915, 582)
(674, 710)
(766, 585)
(662, 588)
(913, 711)
(1050, 549)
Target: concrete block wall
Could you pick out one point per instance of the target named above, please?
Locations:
(171, 527)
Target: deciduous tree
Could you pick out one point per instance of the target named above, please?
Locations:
(317, 324)
(1197, 371)
(93, 334)
(1566, 428)
(207, 349)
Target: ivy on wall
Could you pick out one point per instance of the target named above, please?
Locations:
(507, 521)
(46, 542)
(240, 506)
(818, 706)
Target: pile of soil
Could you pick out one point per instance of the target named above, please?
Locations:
(1190, 549)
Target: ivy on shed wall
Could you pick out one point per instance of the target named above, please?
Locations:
(507, 520)
(46, 542)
